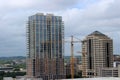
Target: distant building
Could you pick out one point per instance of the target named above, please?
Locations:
(79, 67)
(116, 63)
(109, 72)
(116, 58)
(98, 53)
(68, 69)
(45, 34)
(6, 69)
(7, 78)
(77, 62)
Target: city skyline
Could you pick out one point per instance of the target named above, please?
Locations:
(80, 18)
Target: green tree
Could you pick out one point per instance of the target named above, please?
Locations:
(16, 69)
(13, 75)
(2, 75)
(1, 78)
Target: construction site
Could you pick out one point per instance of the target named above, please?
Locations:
(45, 37)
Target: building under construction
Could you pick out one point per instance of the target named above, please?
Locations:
(45, 36)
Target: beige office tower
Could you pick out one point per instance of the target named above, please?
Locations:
(97, 50)
(45, 34)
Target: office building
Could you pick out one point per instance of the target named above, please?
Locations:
(97, 51)
(45, 36)
(108, 72)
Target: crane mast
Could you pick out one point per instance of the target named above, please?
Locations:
(72, 59)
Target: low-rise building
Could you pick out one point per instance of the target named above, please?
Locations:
(116, 57)
(6, 69)
(109, 72)
(116, 63)
(98, 78)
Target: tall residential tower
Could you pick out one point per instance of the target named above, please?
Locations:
(45, 34)
(98, 53)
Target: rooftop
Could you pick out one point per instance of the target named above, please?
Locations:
(97, 33)
(100, 78)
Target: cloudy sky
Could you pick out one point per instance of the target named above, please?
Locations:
(81, 17)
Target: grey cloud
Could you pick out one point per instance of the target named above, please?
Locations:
(103, 16)
(44, 5)
(87, 17)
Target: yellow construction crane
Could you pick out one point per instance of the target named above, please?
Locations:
(72, 59)
(72, 54)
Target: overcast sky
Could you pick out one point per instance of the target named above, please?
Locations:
(81, 17)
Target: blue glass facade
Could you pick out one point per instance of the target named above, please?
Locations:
(48, 35)
(45, 38)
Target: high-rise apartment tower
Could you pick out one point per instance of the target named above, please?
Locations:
(98, 53)
(45, 34)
